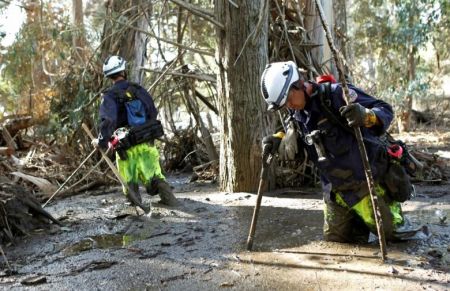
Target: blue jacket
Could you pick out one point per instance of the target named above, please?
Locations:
(344, 171)
(113, 114)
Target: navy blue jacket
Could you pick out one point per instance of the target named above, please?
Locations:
(113, 114)
(344, 171)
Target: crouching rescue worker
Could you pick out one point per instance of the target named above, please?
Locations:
(321, 122)
(128, 124)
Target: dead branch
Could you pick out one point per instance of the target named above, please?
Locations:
(201, 12)
(206, 102)
(199, 51)
(202, 77)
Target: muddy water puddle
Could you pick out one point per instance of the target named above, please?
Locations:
(137, 230)
(279, 227)
(429, 216)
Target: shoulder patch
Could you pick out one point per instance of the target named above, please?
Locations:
(352, 95)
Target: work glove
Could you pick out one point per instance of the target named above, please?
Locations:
(94, 142)
(357, 115)
(271, 143)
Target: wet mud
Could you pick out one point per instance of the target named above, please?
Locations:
(200, 245)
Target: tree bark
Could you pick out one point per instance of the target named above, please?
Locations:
(315, 32)
(242, 53)
(405, 114)
(340, 31)
(140, 46)
(78, 38)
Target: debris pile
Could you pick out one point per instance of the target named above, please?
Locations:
(20, 212)
(30, 172)
(185, 152)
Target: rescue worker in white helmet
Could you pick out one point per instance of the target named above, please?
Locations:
(325, 130)
(128, 124)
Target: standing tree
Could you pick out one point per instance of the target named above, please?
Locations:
(78, 36)
(395, 33)
(242, 46)
(123, 33)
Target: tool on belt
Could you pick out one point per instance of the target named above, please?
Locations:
(314, 138)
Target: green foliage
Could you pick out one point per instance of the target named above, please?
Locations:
(36, 54)
(392, 36)
(41, 64)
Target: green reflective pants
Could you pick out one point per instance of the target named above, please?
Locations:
(353, 224)
(141, 166)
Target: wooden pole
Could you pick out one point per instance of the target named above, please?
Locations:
(358, 136)
(264, 172)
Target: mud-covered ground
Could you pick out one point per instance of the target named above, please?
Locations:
(200, 245)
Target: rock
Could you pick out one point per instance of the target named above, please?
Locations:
(198, 229)
(392, 270)
(34, 280)
(435, 253)
(226, 284)
(441, 215)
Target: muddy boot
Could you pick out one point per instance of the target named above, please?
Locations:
(408, 231)
(166, 194)
(135, 197)
(152, 188)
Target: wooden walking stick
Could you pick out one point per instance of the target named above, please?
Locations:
(264, 172)
(67, 180)
(131, 193)
(358, 136)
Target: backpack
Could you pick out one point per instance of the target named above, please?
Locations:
(135, 109)
(401, 164)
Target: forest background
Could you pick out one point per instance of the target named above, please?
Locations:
(202, 60)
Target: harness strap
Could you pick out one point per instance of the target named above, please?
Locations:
(334, 117)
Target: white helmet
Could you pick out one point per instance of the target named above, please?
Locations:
(276, 81)
(112, 65)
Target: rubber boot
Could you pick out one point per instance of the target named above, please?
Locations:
(135, 197)
(135, 188)
(166, 194)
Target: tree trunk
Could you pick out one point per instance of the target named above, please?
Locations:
(404, 123)
(242, 55)
(126, 42)
(206, 134)
(140, 46)
(190, 92)
(405, 114)
(314, 27)
(78, 38)
(340, 30)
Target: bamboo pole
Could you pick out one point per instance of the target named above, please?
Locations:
(358, 136)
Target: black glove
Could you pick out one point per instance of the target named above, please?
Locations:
(358, 115)
(271, 143)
